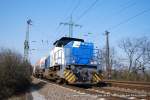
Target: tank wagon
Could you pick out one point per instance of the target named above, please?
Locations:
(71, 60)
(39, 67)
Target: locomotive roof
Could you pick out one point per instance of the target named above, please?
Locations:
(64, 40)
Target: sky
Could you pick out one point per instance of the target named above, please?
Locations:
(122, 18)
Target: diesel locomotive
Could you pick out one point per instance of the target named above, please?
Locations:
(71, 60)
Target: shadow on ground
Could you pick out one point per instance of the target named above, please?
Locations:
(26, 94)
(37, 86)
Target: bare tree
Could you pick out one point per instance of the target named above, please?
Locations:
(137, 52)
(102, 58)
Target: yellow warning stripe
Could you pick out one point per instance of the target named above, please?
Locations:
(65, 71)
(70, 77)
(97, 80)
(101, 77)
(97, 77)
(94, 78)
(67, 74)
(67, 77)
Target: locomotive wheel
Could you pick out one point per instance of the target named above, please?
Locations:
(58, 81)
(65, 82)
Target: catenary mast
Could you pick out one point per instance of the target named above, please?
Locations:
(71, 24)
(26, 42)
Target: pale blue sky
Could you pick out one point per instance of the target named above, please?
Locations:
(47, 14)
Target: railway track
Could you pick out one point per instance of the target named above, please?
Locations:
(111, 93)
(108, 93)
(123, 93)
(142, 86)
(128, 82)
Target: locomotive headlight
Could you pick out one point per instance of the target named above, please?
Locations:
(73, 61)
(93, 62)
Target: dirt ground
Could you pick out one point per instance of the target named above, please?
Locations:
(42, 90)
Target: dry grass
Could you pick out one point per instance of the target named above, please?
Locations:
(130, 76)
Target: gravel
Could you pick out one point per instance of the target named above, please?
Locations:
(49, 91)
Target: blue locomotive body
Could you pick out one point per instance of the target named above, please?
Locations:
(78, 52)
(72, 60)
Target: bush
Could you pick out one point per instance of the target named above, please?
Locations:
(130, 76)
(14, 73)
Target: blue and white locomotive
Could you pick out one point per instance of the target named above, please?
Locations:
(73, 61)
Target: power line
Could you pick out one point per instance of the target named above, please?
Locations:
(61, 34)
(58, 27)
(87, 10)
(73, 10)
(126, 7)
(127, 20)
(123, 7)
(75, 7)
(126, 3)
(65, 17)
